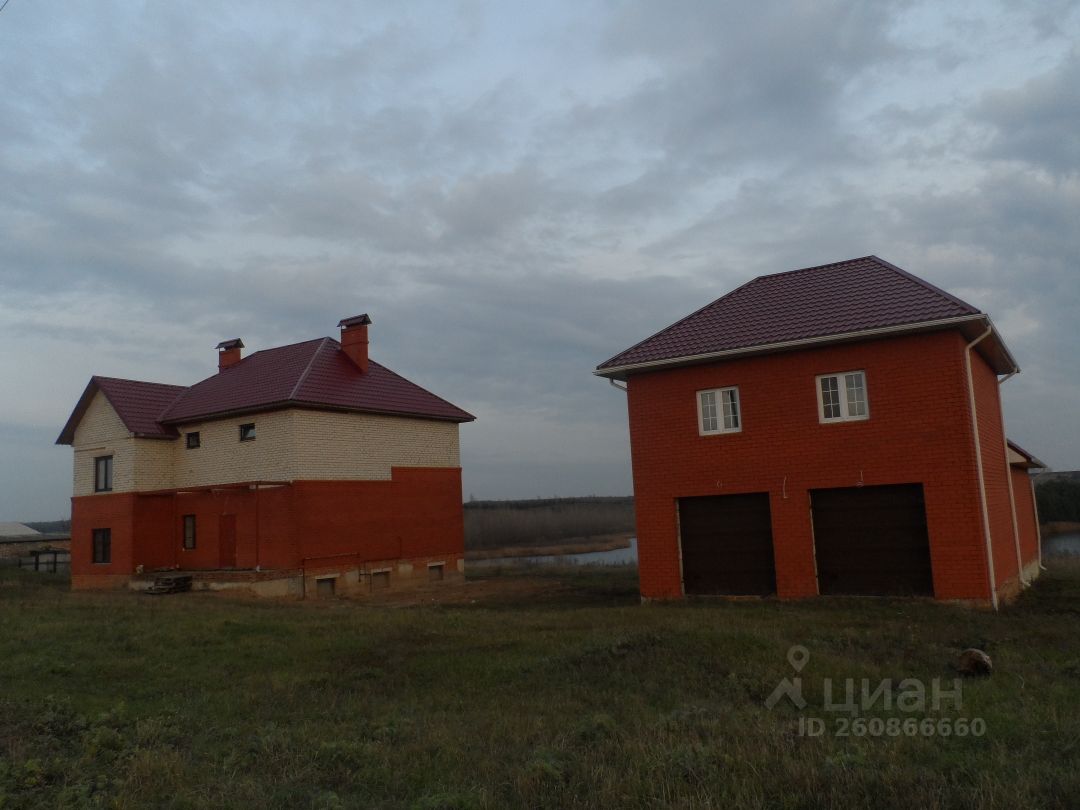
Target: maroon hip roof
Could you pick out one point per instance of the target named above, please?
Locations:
(313, 374)
(815, 302)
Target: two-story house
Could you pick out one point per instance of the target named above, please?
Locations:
(301, 469)
(831, 430)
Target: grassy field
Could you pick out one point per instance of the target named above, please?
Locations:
(543, 690)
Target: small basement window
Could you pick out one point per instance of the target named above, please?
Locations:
(324, 588)
(103, 474)
(380, 579)
(247, 432)
(842, 397)
(718, 411)
(435, 572)
(101, 553)
(189, 532)
(192, 440)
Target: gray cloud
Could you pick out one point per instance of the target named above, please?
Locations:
(1036, 122)
(514, 196)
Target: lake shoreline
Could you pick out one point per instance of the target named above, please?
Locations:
(573, 545)
(1056, 527)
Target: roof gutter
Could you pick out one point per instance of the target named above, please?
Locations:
(979, 465)
(616, 371)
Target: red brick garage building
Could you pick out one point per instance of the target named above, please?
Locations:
(831, 430)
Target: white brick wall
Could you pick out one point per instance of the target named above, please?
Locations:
(223, 459)
(365, 446)
(290, 445)
(154, 464)
(101, 433)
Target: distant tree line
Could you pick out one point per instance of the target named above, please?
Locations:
(1058, 499)
(497, 524)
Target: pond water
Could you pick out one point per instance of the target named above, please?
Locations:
(616, 556)
(1061, 544)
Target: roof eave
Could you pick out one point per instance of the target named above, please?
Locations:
(67, 435)
(1003, 362)
(1028, 460)
(311, 406)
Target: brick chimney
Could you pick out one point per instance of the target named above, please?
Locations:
(229, 355)
(354, 340)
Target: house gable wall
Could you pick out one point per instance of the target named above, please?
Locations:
(101, 433)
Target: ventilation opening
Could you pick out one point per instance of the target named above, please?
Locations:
(324, 588)
(435, 572)
(380, 579)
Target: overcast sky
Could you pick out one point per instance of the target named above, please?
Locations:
(514, 192)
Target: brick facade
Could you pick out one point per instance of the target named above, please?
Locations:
(356, 490)
(291, 444)
(326, 526)
(919, 431)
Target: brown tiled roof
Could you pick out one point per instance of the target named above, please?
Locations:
(316, 374)
(814, 303)
(312, 374)
(137, 403)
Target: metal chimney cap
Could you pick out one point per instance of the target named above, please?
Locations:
(355, 320)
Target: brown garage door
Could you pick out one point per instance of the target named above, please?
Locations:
(872, 540)
(727, 544)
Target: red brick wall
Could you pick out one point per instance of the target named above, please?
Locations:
(115, 512)
(416, 514)
(995, 469)
(919, 431)
(1026, 516)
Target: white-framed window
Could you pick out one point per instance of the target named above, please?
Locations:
(842, 397)
(719, 411)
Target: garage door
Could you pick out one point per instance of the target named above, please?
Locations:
(727, 545)
(872, 540)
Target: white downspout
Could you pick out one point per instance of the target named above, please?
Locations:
(1012, 496)
(979, 467)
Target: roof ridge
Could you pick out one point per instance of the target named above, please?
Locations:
(307, 368)
(283, 346)
(129, 380)
(819, 267)
(932, 287)
(172, 402)
(415, 385)
(673, 325)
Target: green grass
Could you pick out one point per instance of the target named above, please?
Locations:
(576, 696)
